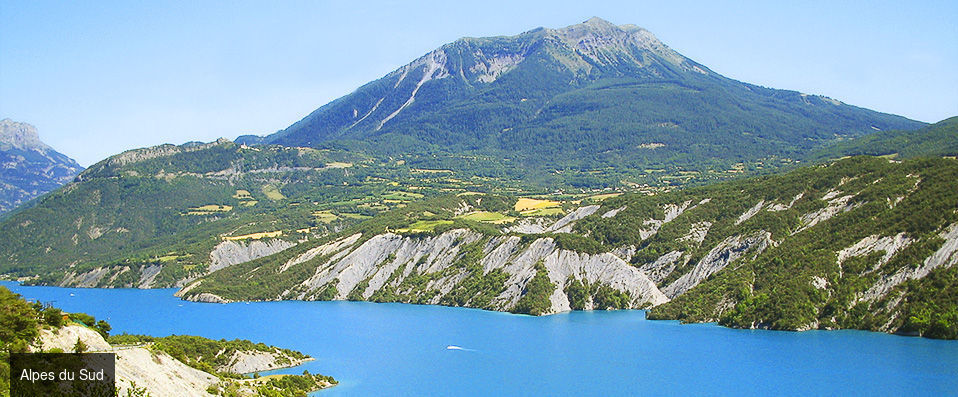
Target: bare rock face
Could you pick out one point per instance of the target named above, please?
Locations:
(20, 135)
(156, 371)
(230, 253)
(945, 256)
(386, 261)
(244, 362)
(160, 374)
(65, 338)
(28, 167)
(720, 256)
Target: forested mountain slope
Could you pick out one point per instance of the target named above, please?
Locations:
(861, 243)
(939, 139)
(583, 97)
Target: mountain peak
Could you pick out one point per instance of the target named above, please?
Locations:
(599, 22)
(20, 135)
(491, 93)
(30, 167)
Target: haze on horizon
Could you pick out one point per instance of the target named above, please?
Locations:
(100, 79)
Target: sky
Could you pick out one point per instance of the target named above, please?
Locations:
(98, 78)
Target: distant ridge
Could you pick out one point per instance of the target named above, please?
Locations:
(30, 167)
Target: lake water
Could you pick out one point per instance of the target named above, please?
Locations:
(402, 350)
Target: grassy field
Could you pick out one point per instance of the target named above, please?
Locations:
(403, 196)
(351, 215)
(602, 197)
(488, 217)
(325, 216)
(424, 226)
(272, 193)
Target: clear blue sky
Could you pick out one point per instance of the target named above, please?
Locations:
(97, 78)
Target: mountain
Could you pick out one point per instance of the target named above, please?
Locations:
(861, 243)
(490, 173)
(30, 167)
(585, 97)
(168, 213)
(939, 139)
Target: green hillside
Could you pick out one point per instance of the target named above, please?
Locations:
(939, 139)
(586, 97)
(861, 243)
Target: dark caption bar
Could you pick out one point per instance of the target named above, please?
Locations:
(62, 374)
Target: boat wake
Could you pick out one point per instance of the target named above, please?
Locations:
(454, 347)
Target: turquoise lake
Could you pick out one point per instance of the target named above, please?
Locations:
(403, 350)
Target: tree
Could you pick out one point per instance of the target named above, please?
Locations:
(53, 317)
(103, 328)
(18, 323)
(79, 347)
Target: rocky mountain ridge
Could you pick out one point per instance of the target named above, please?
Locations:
(28, 167)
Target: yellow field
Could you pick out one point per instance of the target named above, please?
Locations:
(487, 217)
(272, 193)
(242, 195)
(428, 171)
(543, 212)
(600, 197)
(337, 164)
(525, 204)
(255, 236)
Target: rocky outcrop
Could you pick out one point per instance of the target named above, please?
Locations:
(750, 213)
(835, 204)
(137, 155)
(386, 261)
(889, 245)
(207, 297)
(230, 252)
(245, 362)
(945, 256)
(28, 167)
(156, 371)
(662, 267)
(565, 224)
(671, 211)
(225, 254)
(159, 373)
(322, 250)
(64, 338)
(718, 258)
